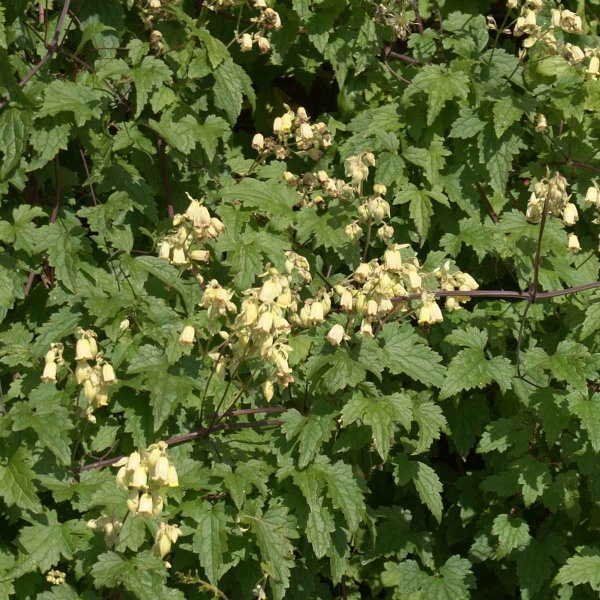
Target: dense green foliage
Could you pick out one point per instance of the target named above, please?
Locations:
(374, 447)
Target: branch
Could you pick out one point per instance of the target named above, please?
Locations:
(415, 4)
(570, 163)
(52, 47)
(203, 432)
(507, 294)
(408, 59)
(487, 202)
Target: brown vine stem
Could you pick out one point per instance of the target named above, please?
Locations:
(571, 163)
(506, 294)
(186, 437)
(408, 59)
(415, 4)
(51, 48)
(487, 202)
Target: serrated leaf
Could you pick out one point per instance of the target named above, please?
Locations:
(439, 85)
(43, 543)
(588, 412)
(14, 131)
(580, 570)
(512, 533)
(16, 483)
(408, 353)
(151, 74)
(231, 84)
(210, 541)
(66, 96)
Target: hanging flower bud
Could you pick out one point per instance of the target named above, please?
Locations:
(593, 68)
(336, 335)
(83, 350)
(90, 390)
(161, 470)
(353, 231)
(592, 195)
(134, 461)
(555, 17)
(140, 478)
(268, 390)
(49, 374)
(573, 243)
(164, 250)
(430, 313)
(278, 126)
(133, 501)
(258, 142)
(145, 505)
(385, 232)
(162, 546)
(541, 124)
(187, 336)
(570, 22)
(263, 45)
(245, 42)
(346, 301)
(124, 325)
(108, 373)
(172, 478)
(570, 215)
(380, 189)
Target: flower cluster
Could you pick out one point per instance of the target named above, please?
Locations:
(185, 245)
(166, 535)
(111, 527)
(264, 321)
(293, 133)
(97, 379)
(53, 357)
(449, 282)
(554, 191)
(376, 288)
(592, 197)
(56, 577)
(143, 476)
(538, 32)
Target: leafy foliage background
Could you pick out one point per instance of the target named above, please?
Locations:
(453, 461)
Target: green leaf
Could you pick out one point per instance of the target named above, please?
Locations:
(406, 352)
(42, 544)
(14, 130)
(425, 480)
(512, 533)
(273, 531)
(498, 155)
(380, 414)
(439, 85)
(312, 432)
(431, 422)
(62, 323)
(467, 125)
(505, 114)
(432, 161)
(274, 200)
(588, 412)
(343, 491)
(66, 96)
(168, 274)
(580, 570)
(151, 74)
(210, 541)
(16, 482)
(471, 369)
(232, 83)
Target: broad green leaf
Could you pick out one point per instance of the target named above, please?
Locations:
(16, 483)
(512, 533)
